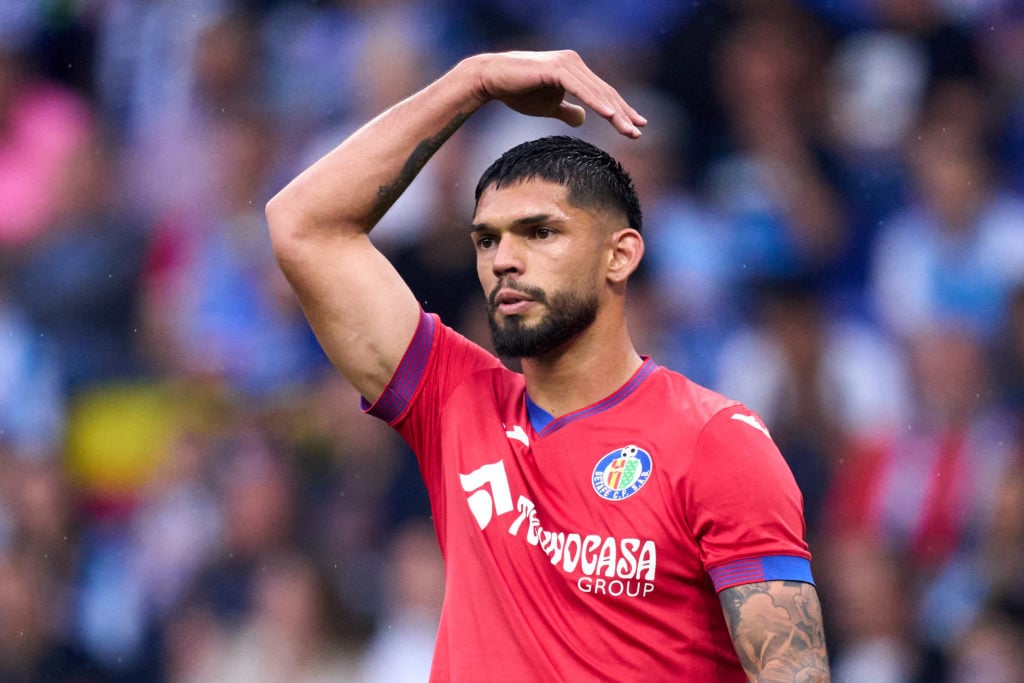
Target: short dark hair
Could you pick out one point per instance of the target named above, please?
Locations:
(591, 175)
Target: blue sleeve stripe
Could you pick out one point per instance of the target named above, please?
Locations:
(399, 391)
(755, 569)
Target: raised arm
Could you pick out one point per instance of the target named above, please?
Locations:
(777, 630)
(362, 312)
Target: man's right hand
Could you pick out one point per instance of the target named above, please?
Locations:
(535, 84)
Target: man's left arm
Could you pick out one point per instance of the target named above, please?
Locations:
(777, 629)
(746, 509)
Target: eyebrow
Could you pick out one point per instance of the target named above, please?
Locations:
(518, 223)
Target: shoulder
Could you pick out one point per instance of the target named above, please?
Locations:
(437, 361)
(442, 340)
(723, 431)
(677, 394)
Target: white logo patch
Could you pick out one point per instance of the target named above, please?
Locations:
(753, 422)
(519, 434)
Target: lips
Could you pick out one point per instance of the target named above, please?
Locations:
(511, 302)
(509, 296)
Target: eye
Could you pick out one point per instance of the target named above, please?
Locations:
(486, 242)
(543, 233)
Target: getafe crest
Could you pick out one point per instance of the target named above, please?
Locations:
(622, 472)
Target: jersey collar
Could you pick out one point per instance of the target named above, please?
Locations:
(545, 423)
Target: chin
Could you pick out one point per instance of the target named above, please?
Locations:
(516, 320)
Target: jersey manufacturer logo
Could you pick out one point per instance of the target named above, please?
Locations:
(752, 421)
(621, 473)
(519, 434)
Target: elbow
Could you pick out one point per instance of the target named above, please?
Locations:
(299, 237)
(301, 229)
(287, 233)
(278, 220)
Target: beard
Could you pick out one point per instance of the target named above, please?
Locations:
(569, 313)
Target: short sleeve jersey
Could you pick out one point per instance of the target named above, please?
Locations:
(591, 546)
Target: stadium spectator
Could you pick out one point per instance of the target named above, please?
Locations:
(953, 254)
(215, 305)
(869, 601)
(169, 72)
(78, 280)
(42, 127)
(926, 486)
(33, 644)
(403, 645)
(1002, 56)
(769, 179)
(296, 630)
(927, 490)
(32, 397)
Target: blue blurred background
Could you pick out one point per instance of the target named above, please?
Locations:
(834, 205)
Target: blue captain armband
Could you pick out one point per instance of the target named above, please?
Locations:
(756, 569)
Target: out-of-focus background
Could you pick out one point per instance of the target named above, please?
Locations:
(834, 204)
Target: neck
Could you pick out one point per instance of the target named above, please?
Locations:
(590, 367)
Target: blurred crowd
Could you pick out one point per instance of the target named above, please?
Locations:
(834, 211)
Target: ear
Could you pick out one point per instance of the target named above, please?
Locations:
(627, 248)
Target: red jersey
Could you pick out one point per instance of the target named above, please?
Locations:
(590, 546)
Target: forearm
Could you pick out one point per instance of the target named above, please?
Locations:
(350, 188)
(777, 629)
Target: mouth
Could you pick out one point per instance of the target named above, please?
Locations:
(509, 298)
(511, 302)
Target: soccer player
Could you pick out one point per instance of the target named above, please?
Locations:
(601, 517)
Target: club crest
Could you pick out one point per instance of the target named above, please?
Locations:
(621, 473)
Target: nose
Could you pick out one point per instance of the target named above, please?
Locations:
(507, 257)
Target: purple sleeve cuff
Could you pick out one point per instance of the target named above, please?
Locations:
(399, 391)
(755, 569)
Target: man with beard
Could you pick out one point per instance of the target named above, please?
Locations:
(601, 518)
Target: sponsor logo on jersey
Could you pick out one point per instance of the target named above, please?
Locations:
(604, 565)
(600, 565)
(621, 473)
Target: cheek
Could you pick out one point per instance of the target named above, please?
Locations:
(589, 274)
(580, 284)
(485, 274)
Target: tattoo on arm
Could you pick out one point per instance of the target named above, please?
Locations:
(389, 194)
(777, 629)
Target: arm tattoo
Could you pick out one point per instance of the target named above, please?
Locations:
(776, 627)
(389, 194)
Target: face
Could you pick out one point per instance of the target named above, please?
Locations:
(538, 259)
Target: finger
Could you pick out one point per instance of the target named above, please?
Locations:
(635, 116)
(573, 114)
(622, 117)
(603, 99)
(625, 118)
